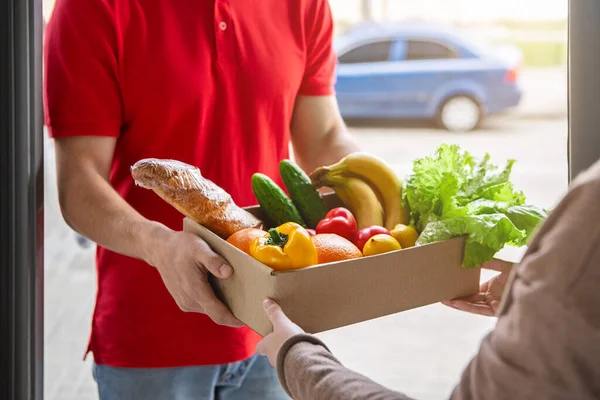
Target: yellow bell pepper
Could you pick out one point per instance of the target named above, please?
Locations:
(289, 246)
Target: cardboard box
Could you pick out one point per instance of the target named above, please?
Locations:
(333, 295)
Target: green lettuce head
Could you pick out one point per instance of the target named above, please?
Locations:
(452, 194)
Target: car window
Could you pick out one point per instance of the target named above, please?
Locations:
(368, 53)
(425, 50)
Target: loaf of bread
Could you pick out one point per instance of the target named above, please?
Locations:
(183, 187)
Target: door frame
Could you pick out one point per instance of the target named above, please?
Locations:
(584, 86)
(22, 201)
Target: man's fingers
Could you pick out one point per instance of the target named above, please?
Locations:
(191, 307)
(219, 313)
(213, 307)
(222, 316)
(212, 261)
(481, 309)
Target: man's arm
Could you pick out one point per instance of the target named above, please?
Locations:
(90, 205)
(319, 135)
(93, 208)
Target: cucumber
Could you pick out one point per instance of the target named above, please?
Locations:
(274, 202)
(304, 196)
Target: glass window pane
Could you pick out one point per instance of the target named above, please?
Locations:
(425, 50)
(368, 53)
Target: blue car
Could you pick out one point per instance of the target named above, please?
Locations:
(423, 72)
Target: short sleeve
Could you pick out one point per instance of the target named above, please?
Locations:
(319, 74)
(81, 91)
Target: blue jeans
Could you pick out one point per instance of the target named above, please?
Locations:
(251, 379)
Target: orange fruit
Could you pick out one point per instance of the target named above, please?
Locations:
(332, 247)
(242, 239)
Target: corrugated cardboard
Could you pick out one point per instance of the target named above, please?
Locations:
(333, 295)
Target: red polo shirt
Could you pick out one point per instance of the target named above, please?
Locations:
(210, 83)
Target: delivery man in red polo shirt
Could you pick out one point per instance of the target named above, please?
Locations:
(220, 84)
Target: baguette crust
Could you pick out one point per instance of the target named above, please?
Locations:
(183, 187)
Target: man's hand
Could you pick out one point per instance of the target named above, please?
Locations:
(283, 329)
(184, 262)
(487, 301)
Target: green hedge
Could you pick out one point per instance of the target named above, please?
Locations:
(536, 25)
(542, 54)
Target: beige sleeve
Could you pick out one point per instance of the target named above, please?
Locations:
(546, 344)
(308, 371)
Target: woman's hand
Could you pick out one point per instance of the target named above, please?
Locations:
(487, 301)
(283, 329)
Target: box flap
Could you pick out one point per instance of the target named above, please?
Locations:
(359, 290)
(249, 285)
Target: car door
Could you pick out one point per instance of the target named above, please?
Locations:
(363, 76)
(425, 66)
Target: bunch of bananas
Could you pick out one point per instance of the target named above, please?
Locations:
(368, 187)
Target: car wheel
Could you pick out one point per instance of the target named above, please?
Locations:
(459, 114)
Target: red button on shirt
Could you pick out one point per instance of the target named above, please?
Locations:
(209, 83)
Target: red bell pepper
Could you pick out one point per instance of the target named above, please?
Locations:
(339, 221)
(367, 233)
(311, 232)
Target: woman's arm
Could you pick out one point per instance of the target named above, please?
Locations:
(546, 344)
(308, 371)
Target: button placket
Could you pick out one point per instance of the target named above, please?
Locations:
(222, 23)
